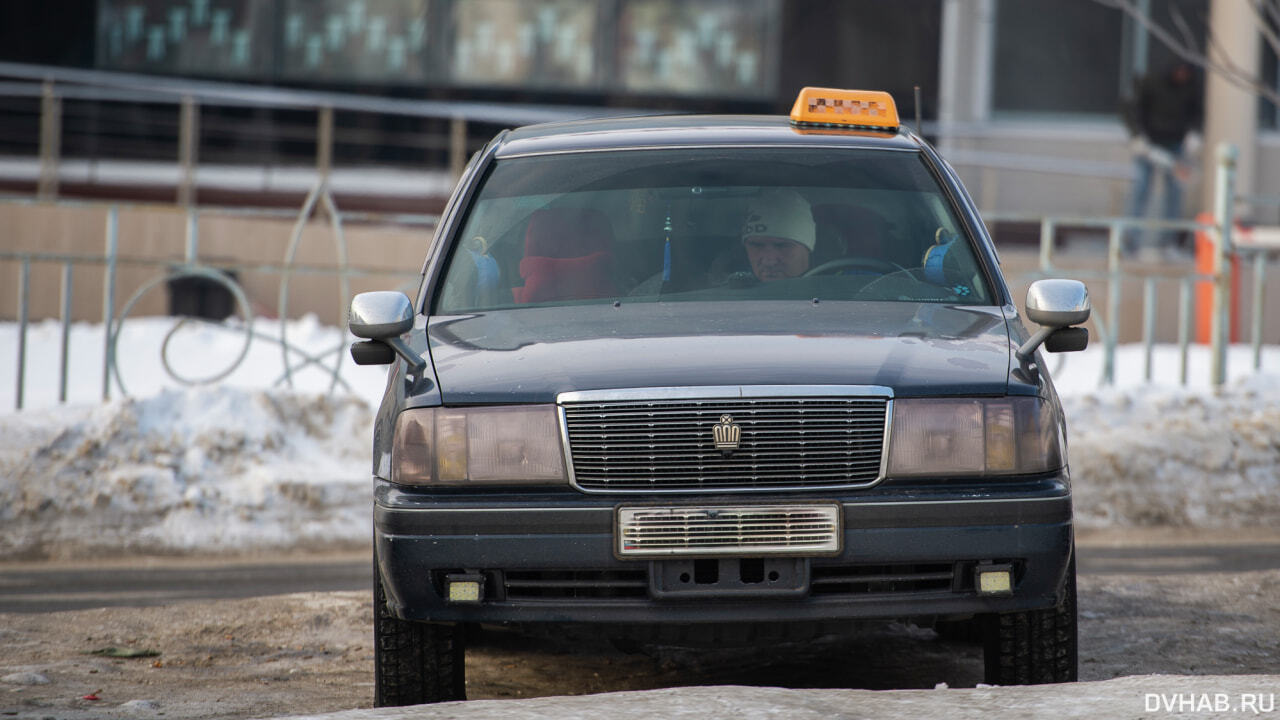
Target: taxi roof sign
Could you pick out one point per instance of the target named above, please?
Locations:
(845, 108)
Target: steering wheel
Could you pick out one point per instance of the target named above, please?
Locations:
(884, 267)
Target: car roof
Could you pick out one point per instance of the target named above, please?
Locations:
(658, 131)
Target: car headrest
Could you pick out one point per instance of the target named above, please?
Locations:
(567, 233)
(863, 231)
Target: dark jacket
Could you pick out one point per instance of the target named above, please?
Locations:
(1163, 110)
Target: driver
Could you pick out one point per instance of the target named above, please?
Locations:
(778, 235)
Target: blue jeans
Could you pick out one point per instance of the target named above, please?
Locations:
(1171, 207)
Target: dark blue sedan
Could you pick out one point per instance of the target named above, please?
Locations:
(717, 379)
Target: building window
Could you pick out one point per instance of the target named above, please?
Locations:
(697, 47)
(354, 40)
(202, 37)
(1057, 57)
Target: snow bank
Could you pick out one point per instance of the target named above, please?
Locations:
(1160, 456)
(1128, 697)
(216, 469)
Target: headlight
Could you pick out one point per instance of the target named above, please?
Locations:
(974, 436)
(464, 446)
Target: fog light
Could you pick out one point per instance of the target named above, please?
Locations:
(464, 588)
(995, 579)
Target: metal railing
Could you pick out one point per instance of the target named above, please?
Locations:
(1220, 232)
(170, 111)
(191, 265)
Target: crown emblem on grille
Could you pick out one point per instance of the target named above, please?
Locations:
(727, 434)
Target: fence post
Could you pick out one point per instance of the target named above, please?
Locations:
(1259, 302)
(65, 361)
(1046, 245)
(457, 147)
(324, 144)
(188, 149)
(109, 297)
(1184, 327)
(24, 290)
(1115, 238)
(1224, 219)
(192, 252)
(50, 142)
(1148, 326)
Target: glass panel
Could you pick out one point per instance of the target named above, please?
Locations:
(1057, 56)
(718, 47)
(711, 225)
(355, 39)
(544, 43)
(200, 37)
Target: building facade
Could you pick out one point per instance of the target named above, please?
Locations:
(1023, 96)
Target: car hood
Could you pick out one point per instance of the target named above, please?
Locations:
(529, 355)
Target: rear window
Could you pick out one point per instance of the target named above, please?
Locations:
(710, 224)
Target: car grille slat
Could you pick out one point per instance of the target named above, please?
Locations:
(758, 529)
(669, 445)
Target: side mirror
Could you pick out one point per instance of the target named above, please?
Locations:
(381, 317)
(1057, 305)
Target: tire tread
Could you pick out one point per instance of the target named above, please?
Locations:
(1034, 647)
(414, 663)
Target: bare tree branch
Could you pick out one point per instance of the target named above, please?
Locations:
(1188, 37)
(1273, 14)
(1224, 67)
(1266, 14)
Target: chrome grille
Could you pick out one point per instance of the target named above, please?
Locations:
(786, 443)
(733, 530)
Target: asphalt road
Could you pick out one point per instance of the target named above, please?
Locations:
(53, 586)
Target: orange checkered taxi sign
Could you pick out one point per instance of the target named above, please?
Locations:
(857, 108)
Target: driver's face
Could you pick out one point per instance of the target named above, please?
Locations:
(776, 258)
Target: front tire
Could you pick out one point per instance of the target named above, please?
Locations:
(414, 663)
(1036, 646)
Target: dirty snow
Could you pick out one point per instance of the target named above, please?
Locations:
(219, 469)
(1176, 457)
(249, 464)
(1130, 697)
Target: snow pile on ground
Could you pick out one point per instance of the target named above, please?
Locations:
(1128, 697)
(216, 469)
(1159, 456)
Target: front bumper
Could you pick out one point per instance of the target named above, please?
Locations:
(549, 557)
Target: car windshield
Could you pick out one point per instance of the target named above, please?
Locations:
(710, 224)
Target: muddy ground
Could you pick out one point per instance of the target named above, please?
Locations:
(1176, 611)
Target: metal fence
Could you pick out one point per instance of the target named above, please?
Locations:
(36, 123)
(1220, 230)
(110, 116)
(192, 265)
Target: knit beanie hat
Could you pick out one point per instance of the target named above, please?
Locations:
(780, 213)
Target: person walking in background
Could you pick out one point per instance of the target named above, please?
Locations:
(1164, 111)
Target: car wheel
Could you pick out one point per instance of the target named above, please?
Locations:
(414, 663)
(1036, 646)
